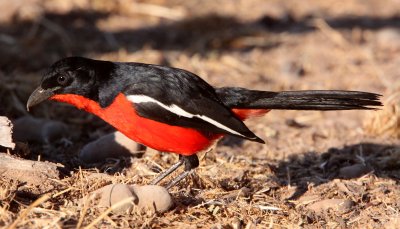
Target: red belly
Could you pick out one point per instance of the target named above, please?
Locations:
(160, 136)
(122, 115)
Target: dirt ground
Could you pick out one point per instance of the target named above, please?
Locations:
(317, 169)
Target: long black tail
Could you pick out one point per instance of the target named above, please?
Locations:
(235, 97)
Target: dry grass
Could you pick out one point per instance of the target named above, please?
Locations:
(386, 121)
(269, 45)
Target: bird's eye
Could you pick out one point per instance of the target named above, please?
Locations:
(62, 80)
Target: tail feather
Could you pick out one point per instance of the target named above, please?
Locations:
(235, 97)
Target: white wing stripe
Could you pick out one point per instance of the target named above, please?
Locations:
(179, 111)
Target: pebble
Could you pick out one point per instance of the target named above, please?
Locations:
(388, 38)
(30, 129)
(338, 205)
(112, 145)
(353, 171)
(151, 198)
(115, 193)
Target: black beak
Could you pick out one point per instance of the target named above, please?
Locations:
(38, 96)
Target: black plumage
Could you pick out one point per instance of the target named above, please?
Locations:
(209, 109)
(236, 97)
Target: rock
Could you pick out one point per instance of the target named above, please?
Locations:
(143, 198)
(114, 194)
(6, 133)
(30, 129)
(353, 171)
(152, 197)
(339, 205)
(112, 145)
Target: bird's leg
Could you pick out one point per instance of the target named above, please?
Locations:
(167, 172)
(191, 162)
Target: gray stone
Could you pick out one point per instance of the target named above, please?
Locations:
(112, 145)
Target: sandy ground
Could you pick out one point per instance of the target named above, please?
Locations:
(346, 160)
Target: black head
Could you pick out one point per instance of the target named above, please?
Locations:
(72, 75)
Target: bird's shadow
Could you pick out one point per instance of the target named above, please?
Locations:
(349, 162)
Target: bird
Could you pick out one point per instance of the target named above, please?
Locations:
(173, 110)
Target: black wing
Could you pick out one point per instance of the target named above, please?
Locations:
(180, 98)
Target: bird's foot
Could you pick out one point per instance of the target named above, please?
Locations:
(190, 162)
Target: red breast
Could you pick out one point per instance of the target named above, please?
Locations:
(163, 137)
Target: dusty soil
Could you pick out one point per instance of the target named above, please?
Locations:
(318, 169)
